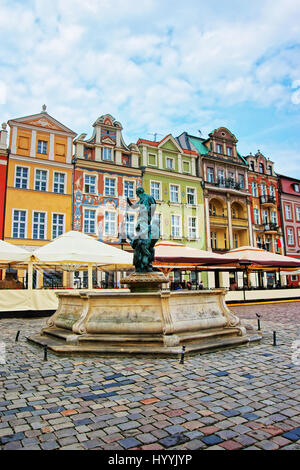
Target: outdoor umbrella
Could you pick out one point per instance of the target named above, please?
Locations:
(176, 254)
(74, 250)
(10, 253)
(256, 258)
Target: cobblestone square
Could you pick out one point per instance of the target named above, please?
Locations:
(241, 398)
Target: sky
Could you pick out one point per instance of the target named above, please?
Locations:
(159, 67)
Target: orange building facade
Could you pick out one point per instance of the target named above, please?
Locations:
(39, 180)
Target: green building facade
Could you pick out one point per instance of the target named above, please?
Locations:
(170, 176)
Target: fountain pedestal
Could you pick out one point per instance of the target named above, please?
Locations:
(143, 321)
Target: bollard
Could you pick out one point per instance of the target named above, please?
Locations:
(182, 355)
(274, 338)
(258, 322)
(17, 336)
(45, 352)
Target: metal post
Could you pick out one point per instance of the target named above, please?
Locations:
(45, 352)
(258, 322)
(274, 338)
(17, 336)
(182, 355)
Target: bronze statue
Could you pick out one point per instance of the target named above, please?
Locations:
(147, 232)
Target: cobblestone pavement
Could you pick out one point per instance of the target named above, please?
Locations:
(241, 398)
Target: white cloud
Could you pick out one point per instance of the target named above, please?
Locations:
(157, 66)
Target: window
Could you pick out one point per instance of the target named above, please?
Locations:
(298, 236)
(212, 210)
(39, 226)
(129, 224)
(261, 168)
(158, 219)
(58, 224)
(241, 181)
(174, 193)
(152, 159)
(296, 187)
(21, 180)
(19, 224)
(40, 183)
(219, 148)
(265, 216)
(155, 190)
(235, 240)
(231, 179)
(110, 186)
(252, 165)
(290, 236)
(298, 213)
(186, 167)
(106, 153)
(213, 240)
(169, 163)
(89, 221)
(129, 189)
(273, 217)
(288, 212)
(42, 147)
(210, 175)
(59, 183)
(190, 196)
(254, 189)
(229, 151)
(221, 177)
(272, 191)
(175, 226)
(270, 170)
(192, 228)
(110, 223)
(89, 184)
(263, 189)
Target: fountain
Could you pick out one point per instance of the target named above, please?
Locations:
(147, 319)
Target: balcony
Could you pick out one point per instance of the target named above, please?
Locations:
(267, 200)
(270, 228)
(226, 183)
(241, 221)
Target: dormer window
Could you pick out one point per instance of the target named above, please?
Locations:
(252, 165)
(261, 168)
(219, 148)
(106, 153)
(296, 187)
(229, 151)
(270, 170)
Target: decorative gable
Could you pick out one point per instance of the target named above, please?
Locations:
(223, 134)
(42, 120)
(169, 143)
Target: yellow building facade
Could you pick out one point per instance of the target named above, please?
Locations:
(39, 180)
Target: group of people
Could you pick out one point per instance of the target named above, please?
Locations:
(186, 285)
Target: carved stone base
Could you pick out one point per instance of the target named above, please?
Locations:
(145, 282)
(159, 322)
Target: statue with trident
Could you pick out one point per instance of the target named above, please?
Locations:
(147, 232)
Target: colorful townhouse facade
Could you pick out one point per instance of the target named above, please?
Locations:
(289, 190)
(170, 176)
(39, 180)
(3, 174)
(106, 172)
(224, 178)
(265, 204)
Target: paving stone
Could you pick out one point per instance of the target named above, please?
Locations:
(129, 442)
(212, 439)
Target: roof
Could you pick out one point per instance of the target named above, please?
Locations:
(198, 143)
(156, 144)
